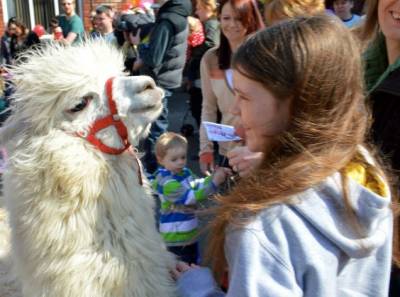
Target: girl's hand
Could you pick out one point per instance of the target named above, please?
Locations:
(244, 161)
(220, 175)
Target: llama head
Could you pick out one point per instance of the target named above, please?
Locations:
(63, 88)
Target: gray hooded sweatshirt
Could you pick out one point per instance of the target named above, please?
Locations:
(307, 249)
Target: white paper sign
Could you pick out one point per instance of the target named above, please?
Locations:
(219, 132)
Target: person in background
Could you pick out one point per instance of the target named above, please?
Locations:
(196, 35)
(343, 10)
(206, 11)
(381, 34)
(140, 23)
(39, 30)
(22, 40)
(6, 40)
(55, 29)
(70, 23)
(238, 19)
(93, 31)
(359, 6)
(104, 23)
(180, 191)
(279, 10)
(163, 58)
(316, 218)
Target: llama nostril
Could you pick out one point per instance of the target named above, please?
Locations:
(148, 86)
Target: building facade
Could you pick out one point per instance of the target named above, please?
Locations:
(33, 12)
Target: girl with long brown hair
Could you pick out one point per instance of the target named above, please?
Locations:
(315, 219)
(22, 40)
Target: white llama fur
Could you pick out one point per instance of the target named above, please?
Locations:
(81, 225)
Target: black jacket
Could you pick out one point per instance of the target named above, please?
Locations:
(164, 56)
(212, 34)
(385, 100)
(383, 83)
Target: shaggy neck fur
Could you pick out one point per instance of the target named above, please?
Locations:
(82, 232)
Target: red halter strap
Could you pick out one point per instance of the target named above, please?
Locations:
(112, 119)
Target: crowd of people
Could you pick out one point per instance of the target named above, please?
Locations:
(312, 89)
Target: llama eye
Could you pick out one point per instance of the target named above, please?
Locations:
(81, 105)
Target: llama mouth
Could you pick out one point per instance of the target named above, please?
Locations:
(148, 108)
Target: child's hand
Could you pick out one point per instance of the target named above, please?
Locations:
(137, 65)
(220, 174)
(181, 268)
(135, 39)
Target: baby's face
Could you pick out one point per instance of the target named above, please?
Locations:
(174, 160)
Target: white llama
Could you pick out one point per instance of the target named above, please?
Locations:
(82, 225)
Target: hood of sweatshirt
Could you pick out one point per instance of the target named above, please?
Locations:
(181, 7)
(369, 197)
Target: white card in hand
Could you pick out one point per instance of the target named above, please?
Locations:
(219, 132)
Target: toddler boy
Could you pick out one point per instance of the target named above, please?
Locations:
(179, 191)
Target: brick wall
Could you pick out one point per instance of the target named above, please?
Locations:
(90, 5)
(2, 25)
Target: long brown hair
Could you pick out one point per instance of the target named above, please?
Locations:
(315, 62)
(370, 27)
(251, 19)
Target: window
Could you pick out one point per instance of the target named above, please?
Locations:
(43, 11)
(20, 9)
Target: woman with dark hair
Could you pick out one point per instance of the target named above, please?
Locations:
(238, 19)
(381, 33)
(6, 40)
(21, 40)
(206, 11)
(316, 217)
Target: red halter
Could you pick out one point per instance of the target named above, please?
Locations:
(112, 119)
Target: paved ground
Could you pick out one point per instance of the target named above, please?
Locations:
(179, 113)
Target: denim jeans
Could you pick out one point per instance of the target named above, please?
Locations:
(157, 128)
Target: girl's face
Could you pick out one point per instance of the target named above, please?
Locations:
(262, 115)
(18, 31)
(389, 19)
(231, 26)
(11, 29)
